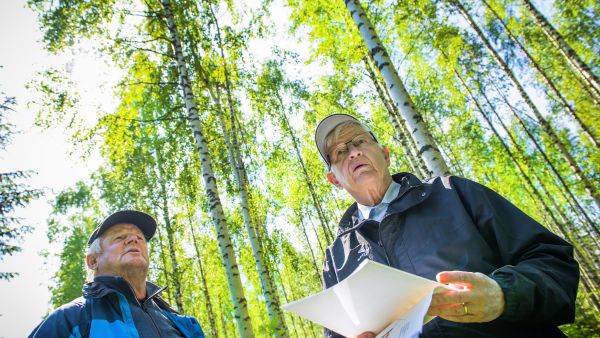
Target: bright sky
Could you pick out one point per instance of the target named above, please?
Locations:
(25, 298)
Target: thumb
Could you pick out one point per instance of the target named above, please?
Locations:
(442, 277)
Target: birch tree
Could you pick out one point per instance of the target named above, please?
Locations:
(569, 54)
(227, 254)
(419, 131)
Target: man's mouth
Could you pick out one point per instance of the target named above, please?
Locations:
(133, 250)
(357, 166)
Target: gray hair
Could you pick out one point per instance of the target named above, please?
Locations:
(335, 133)
(93, 250)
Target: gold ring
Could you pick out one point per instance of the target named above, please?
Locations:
(466, 309)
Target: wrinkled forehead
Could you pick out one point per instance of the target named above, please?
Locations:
(344, 132)
(123, 227)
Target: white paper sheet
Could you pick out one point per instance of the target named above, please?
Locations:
(370, 299)
(410, 324)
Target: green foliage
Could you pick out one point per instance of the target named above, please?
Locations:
(151, 160)
(72, 272)
(14, 193)
(75, 215)
(66, 21)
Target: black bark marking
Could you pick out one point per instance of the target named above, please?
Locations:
(376, 51)
(382, 66)
(425, 148)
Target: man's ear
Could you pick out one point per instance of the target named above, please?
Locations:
(331, 178)
(91, 262)
(386, 155)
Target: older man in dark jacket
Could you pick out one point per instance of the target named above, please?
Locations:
(517, 278)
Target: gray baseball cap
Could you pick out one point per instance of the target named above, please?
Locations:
(324, 128)
(142, 220)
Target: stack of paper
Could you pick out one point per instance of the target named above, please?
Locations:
(375, 298)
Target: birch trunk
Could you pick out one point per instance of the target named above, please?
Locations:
(590, 189)
(419, 132)
(586, 129)
(557, 225)
(228, 258)
(570, 55)
(309, 181)
(175, 272)
(310, 249)
(408, 150)
(570, 196)
(207, 302)
(164, 263)
(241, 177)
(549, 163)
(271, 299)
(565, 219)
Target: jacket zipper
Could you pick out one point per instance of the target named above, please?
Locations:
(379, 241)
(144, 308)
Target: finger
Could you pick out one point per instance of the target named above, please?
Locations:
(453, 310)
(460, 319)
(459, 277)
(450, 297)
(366, 335)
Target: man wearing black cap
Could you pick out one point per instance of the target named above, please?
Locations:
(118, 301)
(512, 277)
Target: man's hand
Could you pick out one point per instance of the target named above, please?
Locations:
(366, 335)
(470, 298)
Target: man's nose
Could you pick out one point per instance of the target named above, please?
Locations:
(131, 238)
(353, 151)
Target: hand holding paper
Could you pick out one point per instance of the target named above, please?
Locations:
(475, 298)
(370, 299)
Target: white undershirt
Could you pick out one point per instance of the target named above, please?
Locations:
(377, 212)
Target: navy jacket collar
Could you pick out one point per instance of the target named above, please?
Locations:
(104, 285)
(407, 181)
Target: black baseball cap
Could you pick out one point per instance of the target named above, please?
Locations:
(142, 220)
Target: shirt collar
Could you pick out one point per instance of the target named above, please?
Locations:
(391, 193)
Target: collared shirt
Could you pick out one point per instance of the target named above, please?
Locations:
(377, 212)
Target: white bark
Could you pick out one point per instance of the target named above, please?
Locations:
(236, 290)
(570, 55)
(589, 188)
(266, 280)
(413, 119)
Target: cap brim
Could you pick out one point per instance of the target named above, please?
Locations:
(324, 128)
(142, 220)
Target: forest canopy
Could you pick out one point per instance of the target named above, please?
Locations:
(213, 133)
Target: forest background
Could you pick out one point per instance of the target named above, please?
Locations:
(209, 124)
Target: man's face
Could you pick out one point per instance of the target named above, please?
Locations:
(124, 250)
(363, 165)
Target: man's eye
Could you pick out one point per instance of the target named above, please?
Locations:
(359, 141)
(340, 152)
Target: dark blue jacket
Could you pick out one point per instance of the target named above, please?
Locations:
(109, 308)
(450, 223)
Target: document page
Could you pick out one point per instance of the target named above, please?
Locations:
(410, 324)
(370, 299)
